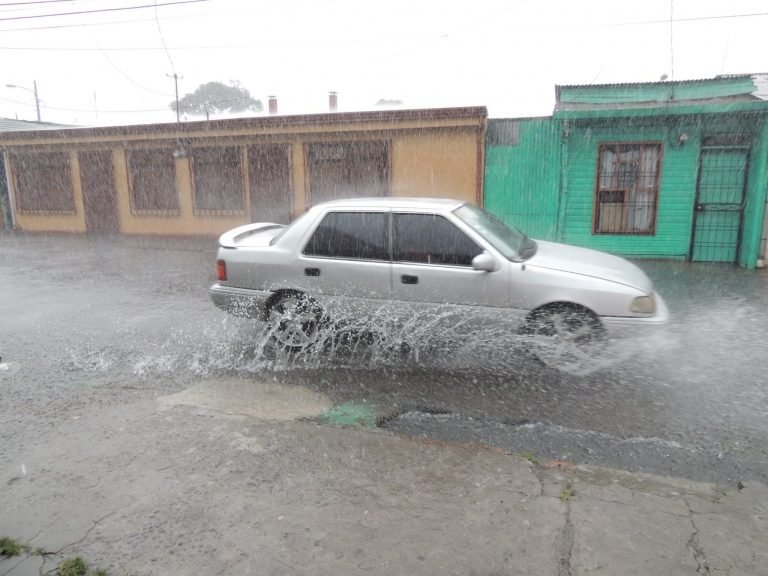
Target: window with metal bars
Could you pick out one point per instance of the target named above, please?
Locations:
(43, 182)
(627, 188)
(218, 180)
(152, 182)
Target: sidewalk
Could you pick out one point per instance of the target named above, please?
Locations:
(179, 485)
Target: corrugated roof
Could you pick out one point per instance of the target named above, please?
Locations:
(666, 82)
(276, 121)
(11, 125)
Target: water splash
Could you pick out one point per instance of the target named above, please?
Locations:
(389, 337)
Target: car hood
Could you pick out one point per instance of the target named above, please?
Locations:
(588, 262)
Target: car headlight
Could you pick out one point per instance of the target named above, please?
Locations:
(644, 304)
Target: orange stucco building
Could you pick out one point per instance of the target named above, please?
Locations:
(202, 178)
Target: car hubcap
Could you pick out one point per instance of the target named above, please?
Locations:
(293, 322)
(567, 338)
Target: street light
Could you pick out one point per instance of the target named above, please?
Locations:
(37, 100)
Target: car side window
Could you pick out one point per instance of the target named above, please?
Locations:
(431, 239)
(358, 235)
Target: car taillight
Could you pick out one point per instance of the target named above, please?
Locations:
(221, 270)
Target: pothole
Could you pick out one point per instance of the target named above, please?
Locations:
(249, 397)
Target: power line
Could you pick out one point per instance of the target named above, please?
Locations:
(162, 40)
(381, 40)
(139, 20)
(98, 10)
(34, 2)
(107, 23)
(691, 19)
(118, 69)
(62, 109)
(671, 40)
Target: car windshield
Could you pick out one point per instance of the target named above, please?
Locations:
(508, 240)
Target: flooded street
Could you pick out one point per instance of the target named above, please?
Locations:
(103, 320)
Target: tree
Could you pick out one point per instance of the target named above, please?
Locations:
(215, 98)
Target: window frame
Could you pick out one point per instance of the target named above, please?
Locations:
(71, 208)
(597, 205)
(137, 211)
(387, 239)
(194, 171)
(444, 218)
(352, 152)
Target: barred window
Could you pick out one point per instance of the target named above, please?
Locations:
(348, 169)
(219, 184)
(152, 181)
(43, 182)
(627, 188)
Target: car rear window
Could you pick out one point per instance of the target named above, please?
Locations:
(358, 235)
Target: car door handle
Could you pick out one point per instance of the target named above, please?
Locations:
(408, 279)
(311, 271)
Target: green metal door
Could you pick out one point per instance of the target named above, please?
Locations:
(719, 204)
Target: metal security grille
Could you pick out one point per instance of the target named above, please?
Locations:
(627, 188)
(719, 203)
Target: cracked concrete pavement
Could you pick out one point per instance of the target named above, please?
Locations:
(195, 482)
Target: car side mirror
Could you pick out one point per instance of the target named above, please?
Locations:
(484, 262)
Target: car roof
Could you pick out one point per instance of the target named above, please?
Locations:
(389, 202)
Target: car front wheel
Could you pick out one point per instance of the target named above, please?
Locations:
(566, 337)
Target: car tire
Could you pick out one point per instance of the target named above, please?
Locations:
(295, 321)
(566, 336)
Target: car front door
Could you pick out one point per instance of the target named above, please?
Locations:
(432, 271)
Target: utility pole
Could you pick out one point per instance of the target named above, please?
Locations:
(37, 100)
(176, 79)
(34, 92)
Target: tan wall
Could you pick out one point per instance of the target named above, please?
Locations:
(439, 164)
(185, 223)
(299, 180)
(57, 222)
(428, 157)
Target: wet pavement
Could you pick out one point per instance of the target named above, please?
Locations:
(149, 433)
(105, 319)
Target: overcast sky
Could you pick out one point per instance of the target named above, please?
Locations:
(112, 67)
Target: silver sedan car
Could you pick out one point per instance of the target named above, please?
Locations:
(416, 258)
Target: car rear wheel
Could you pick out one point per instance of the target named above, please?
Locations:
(295, 321)
(567, 337)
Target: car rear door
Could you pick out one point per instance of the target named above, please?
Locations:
(345, 261)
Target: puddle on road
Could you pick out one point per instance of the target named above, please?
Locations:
(247, 397)
(8, 369)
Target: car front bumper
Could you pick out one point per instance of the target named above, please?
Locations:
(637, 326)
(240, 301)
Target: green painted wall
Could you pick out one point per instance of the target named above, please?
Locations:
(677, 193)
(522, 178)
(679, 167)
(541, 175)
(544, 181)
(757, 188)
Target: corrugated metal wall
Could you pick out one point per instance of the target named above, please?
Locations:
(522, 174)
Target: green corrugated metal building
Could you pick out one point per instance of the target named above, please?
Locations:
(658, 170)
